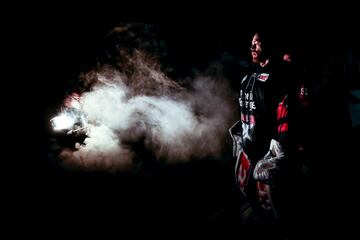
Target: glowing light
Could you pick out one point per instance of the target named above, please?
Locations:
(63, 121)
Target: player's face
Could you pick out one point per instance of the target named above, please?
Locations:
(256, 49)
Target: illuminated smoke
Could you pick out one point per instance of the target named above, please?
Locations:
(63, 121)
(149, 110)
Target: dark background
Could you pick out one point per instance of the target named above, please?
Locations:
(55, 44)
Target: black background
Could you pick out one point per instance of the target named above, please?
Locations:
(54, 44)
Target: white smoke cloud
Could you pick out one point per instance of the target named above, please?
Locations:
(174, 125)
(101, 150)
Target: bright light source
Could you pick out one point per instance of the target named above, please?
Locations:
(69, 120)
(63, 122)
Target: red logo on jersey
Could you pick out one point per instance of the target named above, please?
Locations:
(244, 171)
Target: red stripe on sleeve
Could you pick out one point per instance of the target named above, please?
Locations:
(283, 127)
